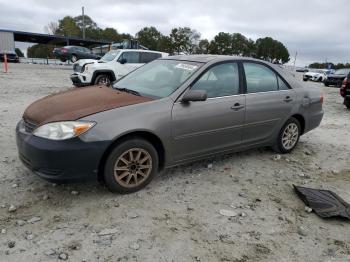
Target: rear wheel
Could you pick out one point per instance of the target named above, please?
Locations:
(74, 58)
(103, 80)
(131, 166)
(288, 137)
(325, 83)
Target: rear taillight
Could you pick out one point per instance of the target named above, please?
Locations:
(343, 87)
(63, 50)
(322, 98)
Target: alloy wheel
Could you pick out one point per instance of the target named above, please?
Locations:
(133, 167)
(74, 58)
(104, 81)
(290, 136)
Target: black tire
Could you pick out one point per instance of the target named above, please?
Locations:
(325, 83)
(74, 58)
(113, 159)
(347, 104)
(63, 60)
(279, 146)
(103, 80)
(304, 79)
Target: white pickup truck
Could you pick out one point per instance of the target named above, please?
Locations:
(112, 66)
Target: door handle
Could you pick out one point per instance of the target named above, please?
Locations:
(237, 106)
(288, 99)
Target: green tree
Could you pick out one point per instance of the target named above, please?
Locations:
(110, 34)
(250, 51)
(242, 46)
(183, 39)
(89, 23)
(149, 37)
(271, 50)
(203, 47)
(165, 45)
(91, 29)
(221, 44)
(40, 51)
(68, 27)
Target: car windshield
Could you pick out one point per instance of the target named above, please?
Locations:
(342, 72)
(110, 55)
(159, 78)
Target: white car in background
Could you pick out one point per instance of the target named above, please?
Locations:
(112, 66)
(318, 75)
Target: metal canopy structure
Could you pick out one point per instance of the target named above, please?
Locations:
(57, 40)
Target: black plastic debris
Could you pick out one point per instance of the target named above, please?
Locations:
(325, 203)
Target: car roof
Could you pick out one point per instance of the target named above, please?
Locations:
(212, 58)
(343, 69)
(73, 46)
(139, 50)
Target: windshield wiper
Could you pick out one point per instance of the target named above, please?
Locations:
(128, 91)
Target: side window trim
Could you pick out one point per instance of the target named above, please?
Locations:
(285, 83)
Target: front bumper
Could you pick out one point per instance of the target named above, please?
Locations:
(79, 80)
(59, 161)
(306, 77)
(334, 81)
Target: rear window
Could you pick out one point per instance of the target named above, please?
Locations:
(146, 57)
(342, 72)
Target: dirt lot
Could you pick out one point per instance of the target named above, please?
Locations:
(177, 217)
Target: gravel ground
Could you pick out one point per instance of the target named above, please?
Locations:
(182, 214)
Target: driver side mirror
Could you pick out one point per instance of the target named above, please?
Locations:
(122, 61)
(194, 95)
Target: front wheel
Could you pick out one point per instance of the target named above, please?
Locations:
(131, 166)
(288, 137)
(103, 80)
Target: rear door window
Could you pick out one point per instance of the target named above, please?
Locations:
(259, 78)
(130, 57)
(146, 57)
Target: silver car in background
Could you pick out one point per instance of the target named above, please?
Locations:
(169, 112)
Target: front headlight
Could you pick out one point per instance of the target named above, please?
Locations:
(87, 66)
(63, 130)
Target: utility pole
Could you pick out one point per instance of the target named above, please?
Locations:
(295, 58)
(82, 9)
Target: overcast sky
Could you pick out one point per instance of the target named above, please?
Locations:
(316, 29)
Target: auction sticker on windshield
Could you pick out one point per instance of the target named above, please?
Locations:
(186, 66)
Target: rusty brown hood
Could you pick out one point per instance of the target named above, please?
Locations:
(78, 103)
